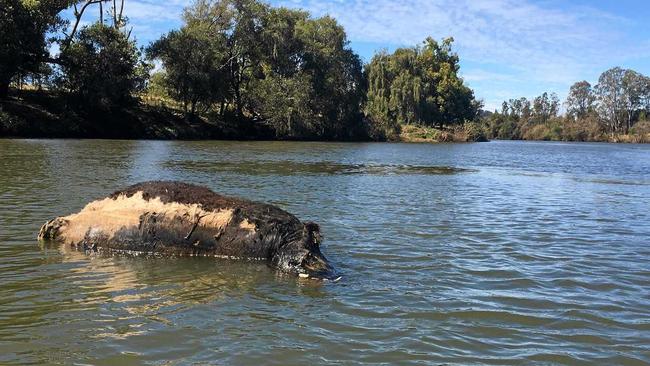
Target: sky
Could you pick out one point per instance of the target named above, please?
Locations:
(508, 48)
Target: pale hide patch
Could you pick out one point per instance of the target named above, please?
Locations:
(245, 224)
(110, 215)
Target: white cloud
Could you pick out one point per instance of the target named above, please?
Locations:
(155, 11)
(525, 42)
(477, 75)
(508, 48)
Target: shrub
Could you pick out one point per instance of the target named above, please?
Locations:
(537, 132)
(382, 130)
(475, 132)
(641, 128)
(586, 129)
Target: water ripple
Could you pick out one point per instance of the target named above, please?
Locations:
(530, 254)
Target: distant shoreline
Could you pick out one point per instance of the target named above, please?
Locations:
(40, 115)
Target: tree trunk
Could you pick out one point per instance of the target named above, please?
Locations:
(4, 89)
(629, 122)
(238, 103)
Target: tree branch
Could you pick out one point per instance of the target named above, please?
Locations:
(78, 14)
(114, 14)
(121, 12)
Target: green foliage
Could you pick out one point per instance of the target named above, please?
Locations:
(545, 107)
(419, 85)
(276, 66)
(551, 131)
(285, 104)
(508, 130)
(157, 85)
(580, 100)
(475, 132)
(245, 64)
(192, 70)
(619, 101)
(610, 98)
(23, 43)
(419, 133)
(587, 128)
(102, 66)
(622, 96)
(502, 126)
(330, 72)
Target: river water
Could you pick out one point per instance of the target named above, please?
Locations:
(500, 253)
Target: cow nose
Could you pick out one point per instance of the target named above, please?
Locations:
(317, 266)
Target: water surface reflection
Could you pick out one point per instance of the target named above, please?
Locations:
(497, 253)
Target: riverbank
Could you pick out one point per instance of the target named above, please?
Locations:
(38, 114)
(564, 128)
(41, 114)
(572, 131)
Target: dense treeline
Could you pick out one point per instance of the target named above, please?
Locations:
(616, 109)
(257, 64)
(244, 69)
(242, 64)
(418, 85)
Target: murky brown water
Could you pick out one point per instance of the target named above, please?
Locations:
(495, 253)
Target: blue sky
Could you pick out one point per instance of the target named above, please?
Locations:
(508, 48)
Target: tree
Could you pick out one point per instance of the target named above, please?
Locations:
(377, 110)
(275, 66)
(23, 43)
(611, 98)
(285, 104)
(615, 105)
(419, 85)
(502, 126)
(580, 100)
(519, 108)
(235, 26)
(336, 75)
(646, 99)
(633, 96)
(311, 83)
(102, 66)
(545, 107)
(646, 95)
(192, 62)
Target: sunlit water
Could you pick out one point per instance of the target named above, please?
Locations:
(492, 253)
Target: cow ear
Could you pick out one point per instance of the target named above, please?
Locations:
(311, 232)
(312, 226)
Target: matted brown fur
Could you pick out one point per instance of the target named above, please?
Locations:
(186, 193)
